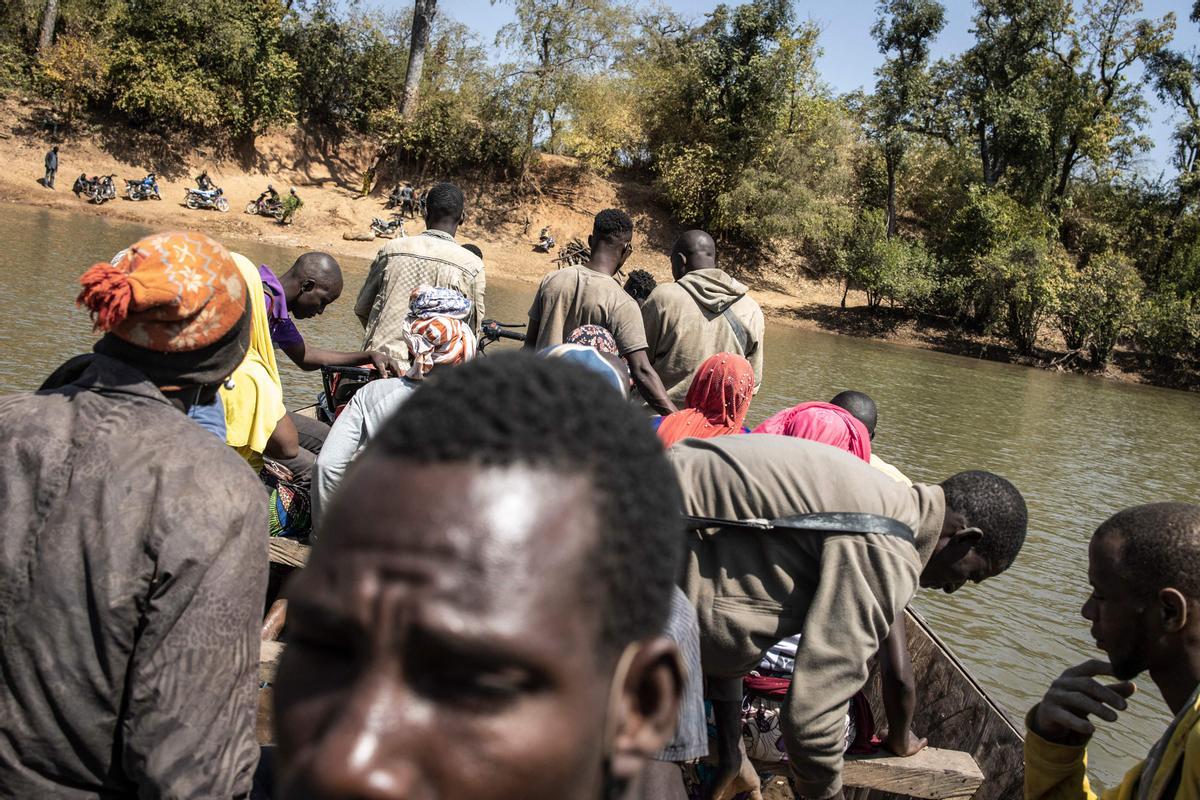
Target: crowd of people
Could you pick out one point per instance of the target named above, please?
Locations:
(543, 573)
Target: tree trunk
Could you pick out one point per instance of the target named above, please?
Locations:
(423, 13)
(49, 21)
(890, 160)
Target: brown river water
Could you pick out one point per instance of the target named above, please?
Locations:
(1078, 447)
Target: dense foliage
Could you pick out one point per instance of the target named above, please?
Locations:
(996, 189)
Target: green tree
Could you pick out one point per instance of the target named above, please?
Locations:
(203, 64)
(1027, 275)
(1098, 305)
(557, 43)
(75, 68)
(903, 31)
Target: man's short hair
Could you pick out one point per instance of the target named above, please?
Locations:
(515, 408)
(640, 284)
(613, 225)
(993, 505)
(474, 248)
(1160, 546)
(444, 201)
(860, 406)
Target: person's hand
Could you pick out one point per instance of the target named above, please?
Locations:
(730, 783)
(904, 744)
(1062, 716)
(384, 364)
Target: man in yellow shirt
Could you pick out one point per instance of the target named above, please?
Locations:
(1144, 568)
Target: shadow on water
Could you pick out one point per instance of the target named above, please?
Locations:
(1078, 447)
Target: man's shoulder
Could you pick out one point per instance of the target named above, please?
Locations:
(430, 246)
(668, 294)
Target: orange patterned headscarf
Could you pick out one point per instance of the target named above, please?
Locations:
(717, 401)
(169, 292)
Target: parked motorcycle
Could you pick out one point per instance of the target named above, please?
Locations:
(266, 207)
(212, 198)
(389, 229)
(545, 242)
(145, 189)
(102, 190)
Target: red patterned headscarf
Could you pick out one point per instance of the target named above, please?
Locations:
(821, 422)
(717, 401)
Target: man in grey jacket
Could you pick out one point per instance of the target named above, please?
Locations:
(704, 312)
(752, 588)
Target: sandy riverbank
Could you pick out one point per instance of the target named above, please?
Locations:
(327, 175)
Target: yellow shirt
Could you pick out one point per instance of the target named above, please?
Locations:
(254, 406)
(1059, 772)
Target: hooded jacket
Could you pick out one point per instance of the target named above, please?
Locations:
(686, 323)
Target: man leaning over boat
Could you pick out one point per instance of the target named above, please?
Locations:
(843, 590)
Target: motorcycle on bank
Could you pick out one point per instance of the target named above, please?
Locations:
(201, 198)
(102, 189)
(145, 189)
(267, 207)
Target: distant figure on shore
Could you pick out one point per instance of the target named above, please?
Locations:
(1144, 609)
(865, 411)
(291, 205)
(134, 563)
(486, 618)
(843, 592)
(51, 167)
(704, 312)
(432, 258)
(588, 294)
(639, 285)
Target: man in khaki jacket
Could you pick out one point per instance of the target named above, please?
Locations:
(704, 312)
(752, 588)
(432, 258)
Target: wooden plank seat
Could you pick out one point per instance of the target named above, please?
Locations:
(932, 774)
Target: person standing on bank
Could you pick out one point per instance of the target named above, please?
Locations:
(704, 312)
(51, 167)
(588, 294)
(1144, 568)
(432, 258)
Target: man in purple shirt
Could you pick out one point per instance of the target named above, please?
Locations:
(313, 282)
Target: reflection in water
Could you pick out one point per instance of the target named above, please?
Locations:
(1079, 448)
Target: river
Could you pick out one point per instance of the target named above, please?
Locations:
(1078, 447)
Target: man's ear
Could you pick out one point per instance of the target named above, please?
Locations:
(649, 707)
(1174, 609)
(967, 537)
(462, 217)
(308, 285)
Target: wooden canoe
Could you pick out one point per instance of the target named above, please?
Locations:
(955, 712)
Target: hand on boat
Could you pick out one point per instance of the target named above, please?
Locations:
(731, 784)
(385, 364)
(1063, 714)
(906, 744)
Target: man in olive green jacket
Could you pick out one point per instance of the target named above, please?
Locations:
(842, 591)
(704, 312)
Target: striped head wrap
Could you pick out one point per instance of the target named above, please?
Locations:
(435, 332)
